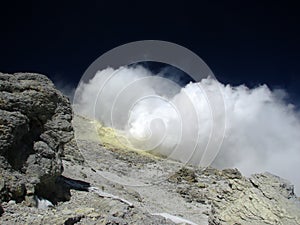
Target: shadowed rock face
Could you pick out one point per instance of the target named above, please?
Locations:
(35, 124)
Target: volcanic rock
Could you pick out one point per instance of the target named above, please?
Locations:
(35, 125)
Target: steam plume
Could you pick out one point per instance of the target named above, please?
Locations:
(262, 130)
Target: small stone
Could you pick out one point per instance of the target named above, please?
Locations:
(202, 185)
(11, 202)
(30, 201)
(83, 174)
(206, 212)
(94, 215)
(84, 210)
(232, 173)
(29, 189)
(67, 211)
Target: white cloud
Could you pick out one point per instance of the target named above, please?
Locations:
(262, 132)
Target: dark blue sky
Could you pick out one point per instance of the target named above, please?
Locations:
(242, 42)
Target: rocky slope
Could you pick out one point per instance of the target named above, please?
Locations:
(107, 185)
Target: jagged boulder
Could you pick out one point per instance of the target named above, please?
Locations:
(234, 199)
(35, 125)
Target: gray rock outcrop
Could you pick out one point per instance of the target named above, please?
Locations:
(261, 199)
(35, 125)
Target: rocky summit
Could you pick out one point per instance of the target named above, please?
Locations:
(56, 169)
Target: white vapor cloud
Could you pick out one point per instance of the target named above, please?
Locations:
(262, 129)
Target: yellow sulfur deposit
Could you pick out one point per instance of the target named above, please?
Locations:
(114, 139)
